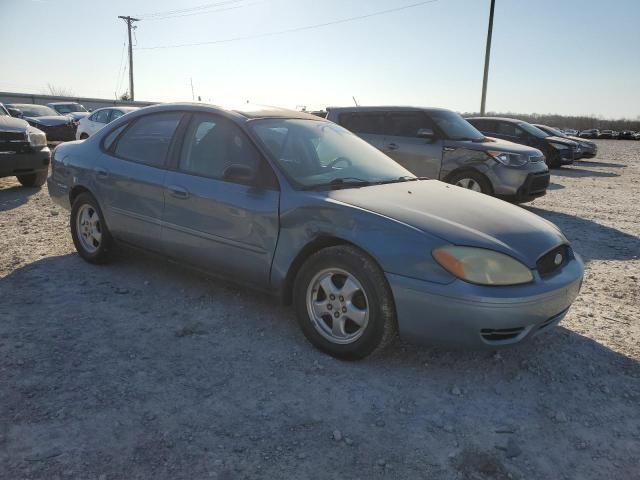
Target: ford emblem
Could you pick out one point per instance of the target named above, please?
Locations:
(558, 259)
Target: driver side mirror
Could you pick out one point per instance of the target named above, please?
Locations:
(239, 174)
(426, 133)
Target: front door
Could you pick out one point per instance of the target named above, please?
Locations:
(422, 157)
(211, 220)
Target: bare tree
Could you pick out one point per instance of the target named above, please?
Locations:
(59, 91)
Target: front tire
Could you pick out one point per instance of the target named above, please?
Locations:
(33, 179)
(344, 304)
(472, 180)
(89, 231)
(554, 160)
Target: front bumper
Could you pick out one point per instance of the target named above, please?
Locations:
(24, 163)
(465, 315)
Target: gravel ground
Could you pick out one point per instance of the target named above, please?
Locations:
(143, 369)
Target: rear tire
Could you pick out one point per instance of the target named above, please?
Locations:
(472, 180)
(33, 179)
(89, 231)
(344, 304)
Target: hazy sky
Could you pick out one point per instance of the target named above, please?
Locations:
(548, 56)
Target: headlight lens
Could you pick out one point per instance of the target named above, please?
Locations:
(508, 159)
(481, 266)
(559, 146)
(37, 138)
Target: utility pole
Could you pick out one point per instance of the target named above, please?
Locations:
(129, 21)
(487, 56)
(193, 95)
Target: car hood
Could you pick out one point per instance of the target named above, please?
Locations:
(11, 124)
(459, 216)
(49, 121)
(582, 140)
(494, 144)
(77, 115)
(564, 141)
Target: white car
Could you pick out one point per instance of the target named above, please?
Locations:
(98, 119)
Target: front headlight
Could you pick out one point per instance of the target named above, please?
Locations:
(481, 266)
(508, 159)
(37, 138)
(559, 146)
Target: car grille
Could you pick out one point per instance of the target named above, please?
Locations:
(499, 335)
(13, 142)
(59, 132)
(553, 261)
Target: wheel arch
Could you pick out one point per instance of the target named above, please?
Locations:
(76, 191)
(319, 243)
(468, 169)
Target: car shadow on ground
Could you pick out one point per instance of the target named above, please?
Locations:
(13, 195)
(580, 172)
(591, 163)
(600, 243)
(555, 186)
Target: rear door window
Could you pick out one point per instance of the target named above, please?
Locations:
(407, 124)
(102, 116)
(363, 123)
(147, 140)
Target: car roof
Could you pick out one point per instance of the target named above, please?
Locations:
(63, 103)
(501, 119)
(247, 111)
(386, 108)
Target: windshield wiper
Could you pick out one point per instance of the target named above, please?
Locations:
(341, 182)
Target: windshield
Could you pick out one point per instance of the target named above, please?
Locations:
(3, 112)
(536, 132)
(69, 107)
(316, 154)
(553, 131)
(29, 110)
(455, 127)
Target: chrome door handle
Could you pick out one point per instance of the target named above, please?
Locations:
(178, 192)
(392, 146)
(102, 172)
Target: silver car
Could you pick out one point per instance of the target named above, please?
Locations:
(440, 144)
(300, 207)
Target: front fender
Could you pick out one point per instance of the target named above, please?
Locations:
(396, 247)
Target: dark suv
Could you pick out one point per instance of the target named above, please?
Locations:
(557, 150)
(23, 151)
(438, 143)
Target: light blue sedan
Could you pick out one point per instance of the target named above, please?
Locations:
(295, 205)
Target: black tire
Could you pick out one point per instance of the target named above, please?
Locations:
(33, 179)
(482, 181)
(102, 253)
(381, 328)
(553, 160)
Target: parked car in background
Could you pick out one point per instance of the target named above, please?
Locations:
(98, 119)
(298, 206)
(570, 132)
(626, 135)
(636, 135)
(557, 150)
(605, 134)
(23, 151)
(71, 109)
(589, 149)
(440, 144)
(57, 127)
(590, 133)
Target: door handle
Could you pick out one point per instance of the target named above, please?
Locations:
(392, 146)
(178, 192)
(102, 172)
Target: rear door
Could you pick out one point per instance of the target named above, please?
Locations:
(422, 157)
(130, 177)
(212, 221)
(367, 125)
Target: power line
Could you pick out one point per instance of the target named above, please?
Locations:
(153, 19)
(293, 30)
(185, 10)
(120, 69)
